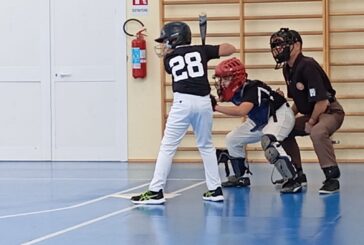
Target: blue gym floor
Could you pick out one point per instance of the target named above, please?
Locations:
(86, 203)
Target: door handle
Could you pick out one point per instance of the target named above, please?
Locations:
(61, 75)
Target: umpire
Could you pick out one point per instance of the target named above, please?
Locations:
(314, 98)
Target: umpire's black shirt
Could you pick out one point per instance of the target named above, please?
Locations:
(307, 83)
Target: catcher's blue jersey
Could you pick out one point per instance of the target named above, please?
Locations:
(265, 100)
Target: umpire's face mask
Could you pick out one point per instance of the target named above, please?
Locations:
(281, 50)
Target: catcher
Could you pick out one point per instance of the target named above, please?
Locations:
(269, 120)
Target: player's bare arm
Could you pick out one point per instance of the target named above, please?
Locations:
(320, 107)
(226, 49)
(239, 111)
(280, 92)
(294, 109)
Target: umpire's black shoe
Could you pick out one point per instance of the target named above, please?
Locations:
(291, 186)
(330, 186)
(233, 181)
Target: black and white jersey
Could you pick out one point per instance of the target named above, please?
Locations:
(188, 66)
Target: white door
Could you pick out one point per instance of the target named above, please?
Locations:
(88, 79)
(25, 121)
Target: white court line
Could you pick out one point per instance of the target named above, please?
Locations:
(84, 203)
(93, 179)
(73, 206)
(75, 227)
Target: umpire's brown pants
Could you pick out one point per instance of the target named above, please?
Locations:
(328, 123)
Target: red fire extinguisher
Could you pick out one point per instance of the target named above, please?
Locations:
(138, 47)
(138, 51)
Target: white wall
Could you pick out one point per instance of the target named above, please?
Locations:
(63, 80)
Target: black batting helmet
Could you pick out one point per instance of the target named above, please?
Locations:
(174, 34)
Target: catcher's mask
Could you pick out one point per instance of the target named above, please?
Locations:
(172, 34)
(281, 45)
(229, 76)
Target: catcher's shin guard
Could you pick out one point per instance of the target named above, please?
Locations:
(282, 163)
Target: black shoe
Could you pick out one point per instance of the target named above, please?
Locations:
(149, 197)
(236, 182)
(291, 186)
(214, 195)
(302, 179)
(330, 186)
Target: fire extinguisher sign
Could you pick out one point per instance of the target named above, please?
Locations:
(140, 7)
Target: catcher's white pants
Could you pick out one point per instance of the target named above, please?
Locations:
(187, 110)
(238, 138)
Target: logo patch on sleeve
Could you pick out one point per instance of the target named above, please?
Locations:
(312, 92)
(300, 86)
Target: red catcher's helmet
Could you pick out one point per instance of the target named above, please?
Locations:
(234, 71)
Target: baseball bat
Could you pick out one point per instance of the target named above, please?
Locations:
(202, 18)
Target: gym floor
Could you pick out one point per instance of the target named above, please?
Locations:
(87, 203)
